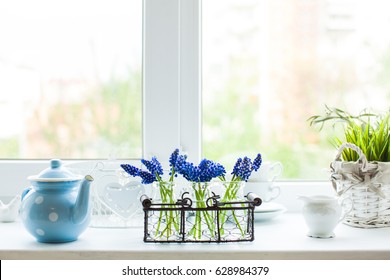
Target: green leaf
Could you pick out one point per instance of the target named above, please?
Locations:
(369, 131)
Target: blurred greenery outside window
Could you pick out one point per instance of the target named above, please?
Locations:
(70, 79)
(269, 65)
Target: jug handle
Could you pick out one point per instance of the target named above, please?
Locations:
(349, 210)
(279, 169)
(275, 191)
(25, 192)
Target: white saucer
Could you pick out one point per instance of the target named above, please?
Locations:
(268, 211)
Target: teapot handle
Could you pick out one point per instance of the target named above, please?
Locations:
(25, 192)
(349, 210)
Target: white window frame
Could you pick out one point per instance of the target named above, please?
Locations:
(172, 93)
(171, 96)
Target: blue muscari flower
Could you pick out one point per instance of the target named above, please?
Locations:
(153, 165)
(210, 170)
(181, 164)
(236, 168)
(219, 170)
(204, 172)
(132, 170)
(193, 173)
(257, 162)
(244, 167)
(187, 169)
(172, 161)
(173, 158)
(147, 178)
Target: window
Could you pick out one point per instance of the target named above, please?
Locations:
(71, 79)
(267, 66)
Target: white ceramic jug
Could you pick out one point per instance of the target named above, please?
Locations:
(322, 214)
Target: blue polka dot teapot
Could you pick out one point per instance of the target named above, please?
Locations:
(56, 208)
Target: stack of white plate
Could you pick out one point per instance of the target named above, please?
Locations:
(268, 211)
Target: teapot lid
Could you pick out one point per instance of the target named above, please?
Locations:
(55, 173)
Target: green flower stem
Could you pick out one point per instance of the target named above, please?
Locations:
(171, 216)
(230, 195)
(200, 195)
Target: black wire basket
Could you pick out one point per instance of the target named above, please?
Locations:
(217, 222)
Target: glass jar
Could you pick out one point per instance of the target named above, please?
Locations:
(202, 225)
(166, 218)
(232, 190)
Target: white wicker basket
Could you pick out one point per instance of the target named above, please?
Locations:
(367, 184)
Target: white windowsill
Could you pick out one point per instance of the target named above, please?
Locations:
(281, 238)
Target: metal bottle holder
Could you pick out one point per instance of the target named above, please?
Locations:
(217, 222)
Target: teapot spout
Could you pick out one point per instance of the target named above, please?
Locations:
(81, 208)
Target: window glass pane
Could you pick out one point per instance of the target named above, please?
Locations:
(70, 79)
(269, 65)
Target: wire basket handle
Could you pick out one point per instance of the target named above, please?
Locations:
(362, 158)
(254, 199)
(146, 201)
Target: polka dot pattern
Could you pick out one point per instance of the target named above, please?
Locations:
(39, 200)
(40, 232)
(53, 217)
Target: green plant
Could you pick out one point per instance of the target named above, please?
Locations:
(368, 130)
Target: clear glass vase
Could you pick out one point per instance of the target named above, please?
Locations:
(165, 192)
(233, 191)
(202, 224)
(167, 218)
